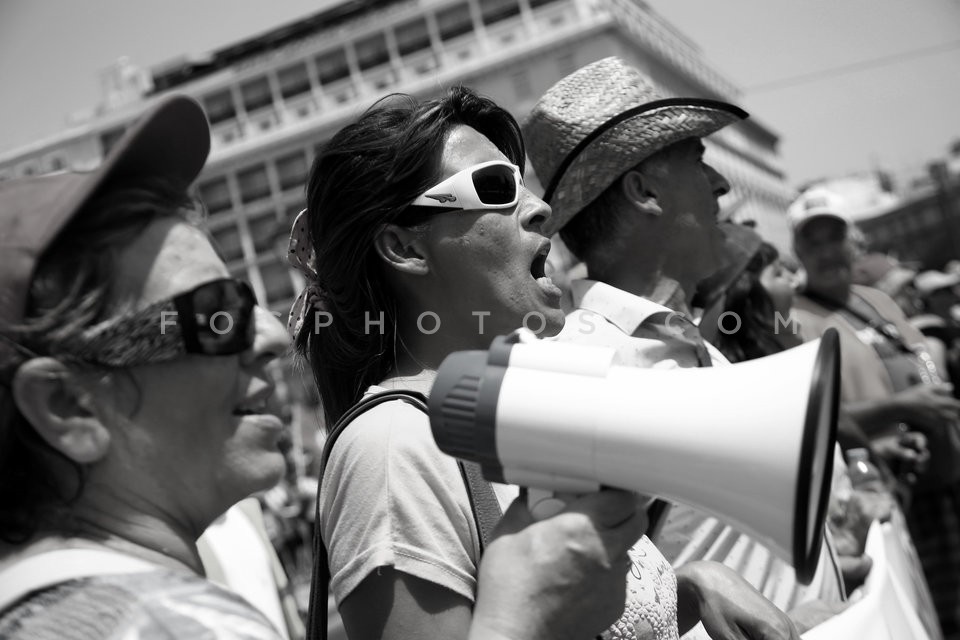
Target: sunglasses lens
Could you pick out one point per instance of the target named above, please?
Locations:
(495, 184)
(223, 310)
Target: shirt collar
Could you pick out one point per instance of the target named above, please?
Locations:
(624, 310)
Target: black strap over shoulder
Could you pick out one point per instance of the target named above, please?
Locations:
(865, 314)
(483, 503)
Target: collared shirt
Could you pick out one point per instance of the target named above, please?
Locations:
(643, 333)
(610, 317)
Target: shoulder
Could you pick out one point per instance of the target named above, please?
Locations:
(811, 318)
(880, 301)
(387, 447)
(392, 425)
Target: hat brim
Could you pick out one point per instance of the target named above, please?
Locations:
(171, 141)
(602, 158)
(799, 225)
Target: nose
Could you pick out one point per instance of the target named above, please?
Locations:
(534, 212)
(270, 339)
(717, 182)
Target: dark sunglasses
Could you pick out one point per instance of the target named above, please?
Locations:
(214, 319)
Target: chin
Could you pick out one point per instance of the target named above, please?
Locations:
(261, 475)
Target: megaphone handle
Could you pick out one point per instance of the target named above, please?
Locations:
(544, 503)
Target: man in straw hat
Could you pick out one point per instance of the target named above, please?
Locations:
(632, 197)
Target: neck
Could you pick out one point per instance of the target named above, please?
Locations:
(146, 541)
(649, 274)
(135, 525)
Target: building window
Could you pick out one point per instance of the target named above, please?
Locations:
(293, 80)
(426, 65)
(256, 94)
(56, 164)
(276, 281)
(264, 231)
(412, 37)
(227, 240)
(345, 95)
(219, 107)
(372, 51)
(332, 66)
(292, 170)
(454, 22)
(539, 3)
(497, 10)
(215, 195)
(253, 183)
(110, 138)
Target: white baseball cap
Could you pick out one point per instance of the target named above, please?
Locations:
(814, 203)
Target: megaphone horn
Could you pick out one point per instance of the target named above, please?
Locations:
(752, 443)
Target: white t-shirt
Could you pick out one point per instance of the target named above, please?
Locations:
(390, 497)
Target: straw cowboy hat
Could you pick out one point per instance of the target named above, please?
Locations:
(602, 120)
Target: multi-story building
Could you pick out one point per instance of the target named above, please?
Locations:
(923, 227)
(273, 99)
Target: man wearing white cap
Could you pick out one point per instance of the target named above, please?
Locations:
(890, 386)
(632, 197)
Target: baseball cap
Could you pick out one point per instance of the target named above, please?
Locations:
(814, 203)
(171, 140)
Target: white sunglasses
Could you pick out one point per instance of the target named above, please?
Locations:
(488, 185)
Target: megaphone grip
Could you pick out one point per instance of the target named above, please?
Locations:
(463, 403)
(545, 504)
(458, 411)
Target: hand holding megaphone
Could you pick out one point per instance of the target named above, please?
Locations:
(577, 563)
(751, 443)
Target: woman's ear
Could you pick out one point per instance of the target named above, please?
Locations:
(402, 249)
(53, 401)
(639, 191)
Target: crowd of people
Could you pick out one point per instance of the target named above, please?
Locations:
(133, 424)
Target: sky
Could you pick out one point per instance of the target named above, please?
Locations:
(848, 85)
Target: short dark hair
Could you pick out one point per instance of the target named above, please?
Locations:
(69, 293)
(594, 233)
(365, 177)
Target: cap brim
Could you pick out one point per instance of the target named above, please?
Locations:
(171, 140)
(800, 224)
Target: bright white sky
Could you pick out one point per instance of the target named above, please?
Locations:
(897, 114)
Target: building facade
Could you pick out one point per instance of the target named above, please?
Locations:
(923, 228)
(273, 100)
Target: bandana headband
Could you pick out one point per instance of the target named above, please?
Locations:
(301, 257)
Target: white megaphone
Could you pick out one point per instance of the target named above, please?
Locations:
(751, 443)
